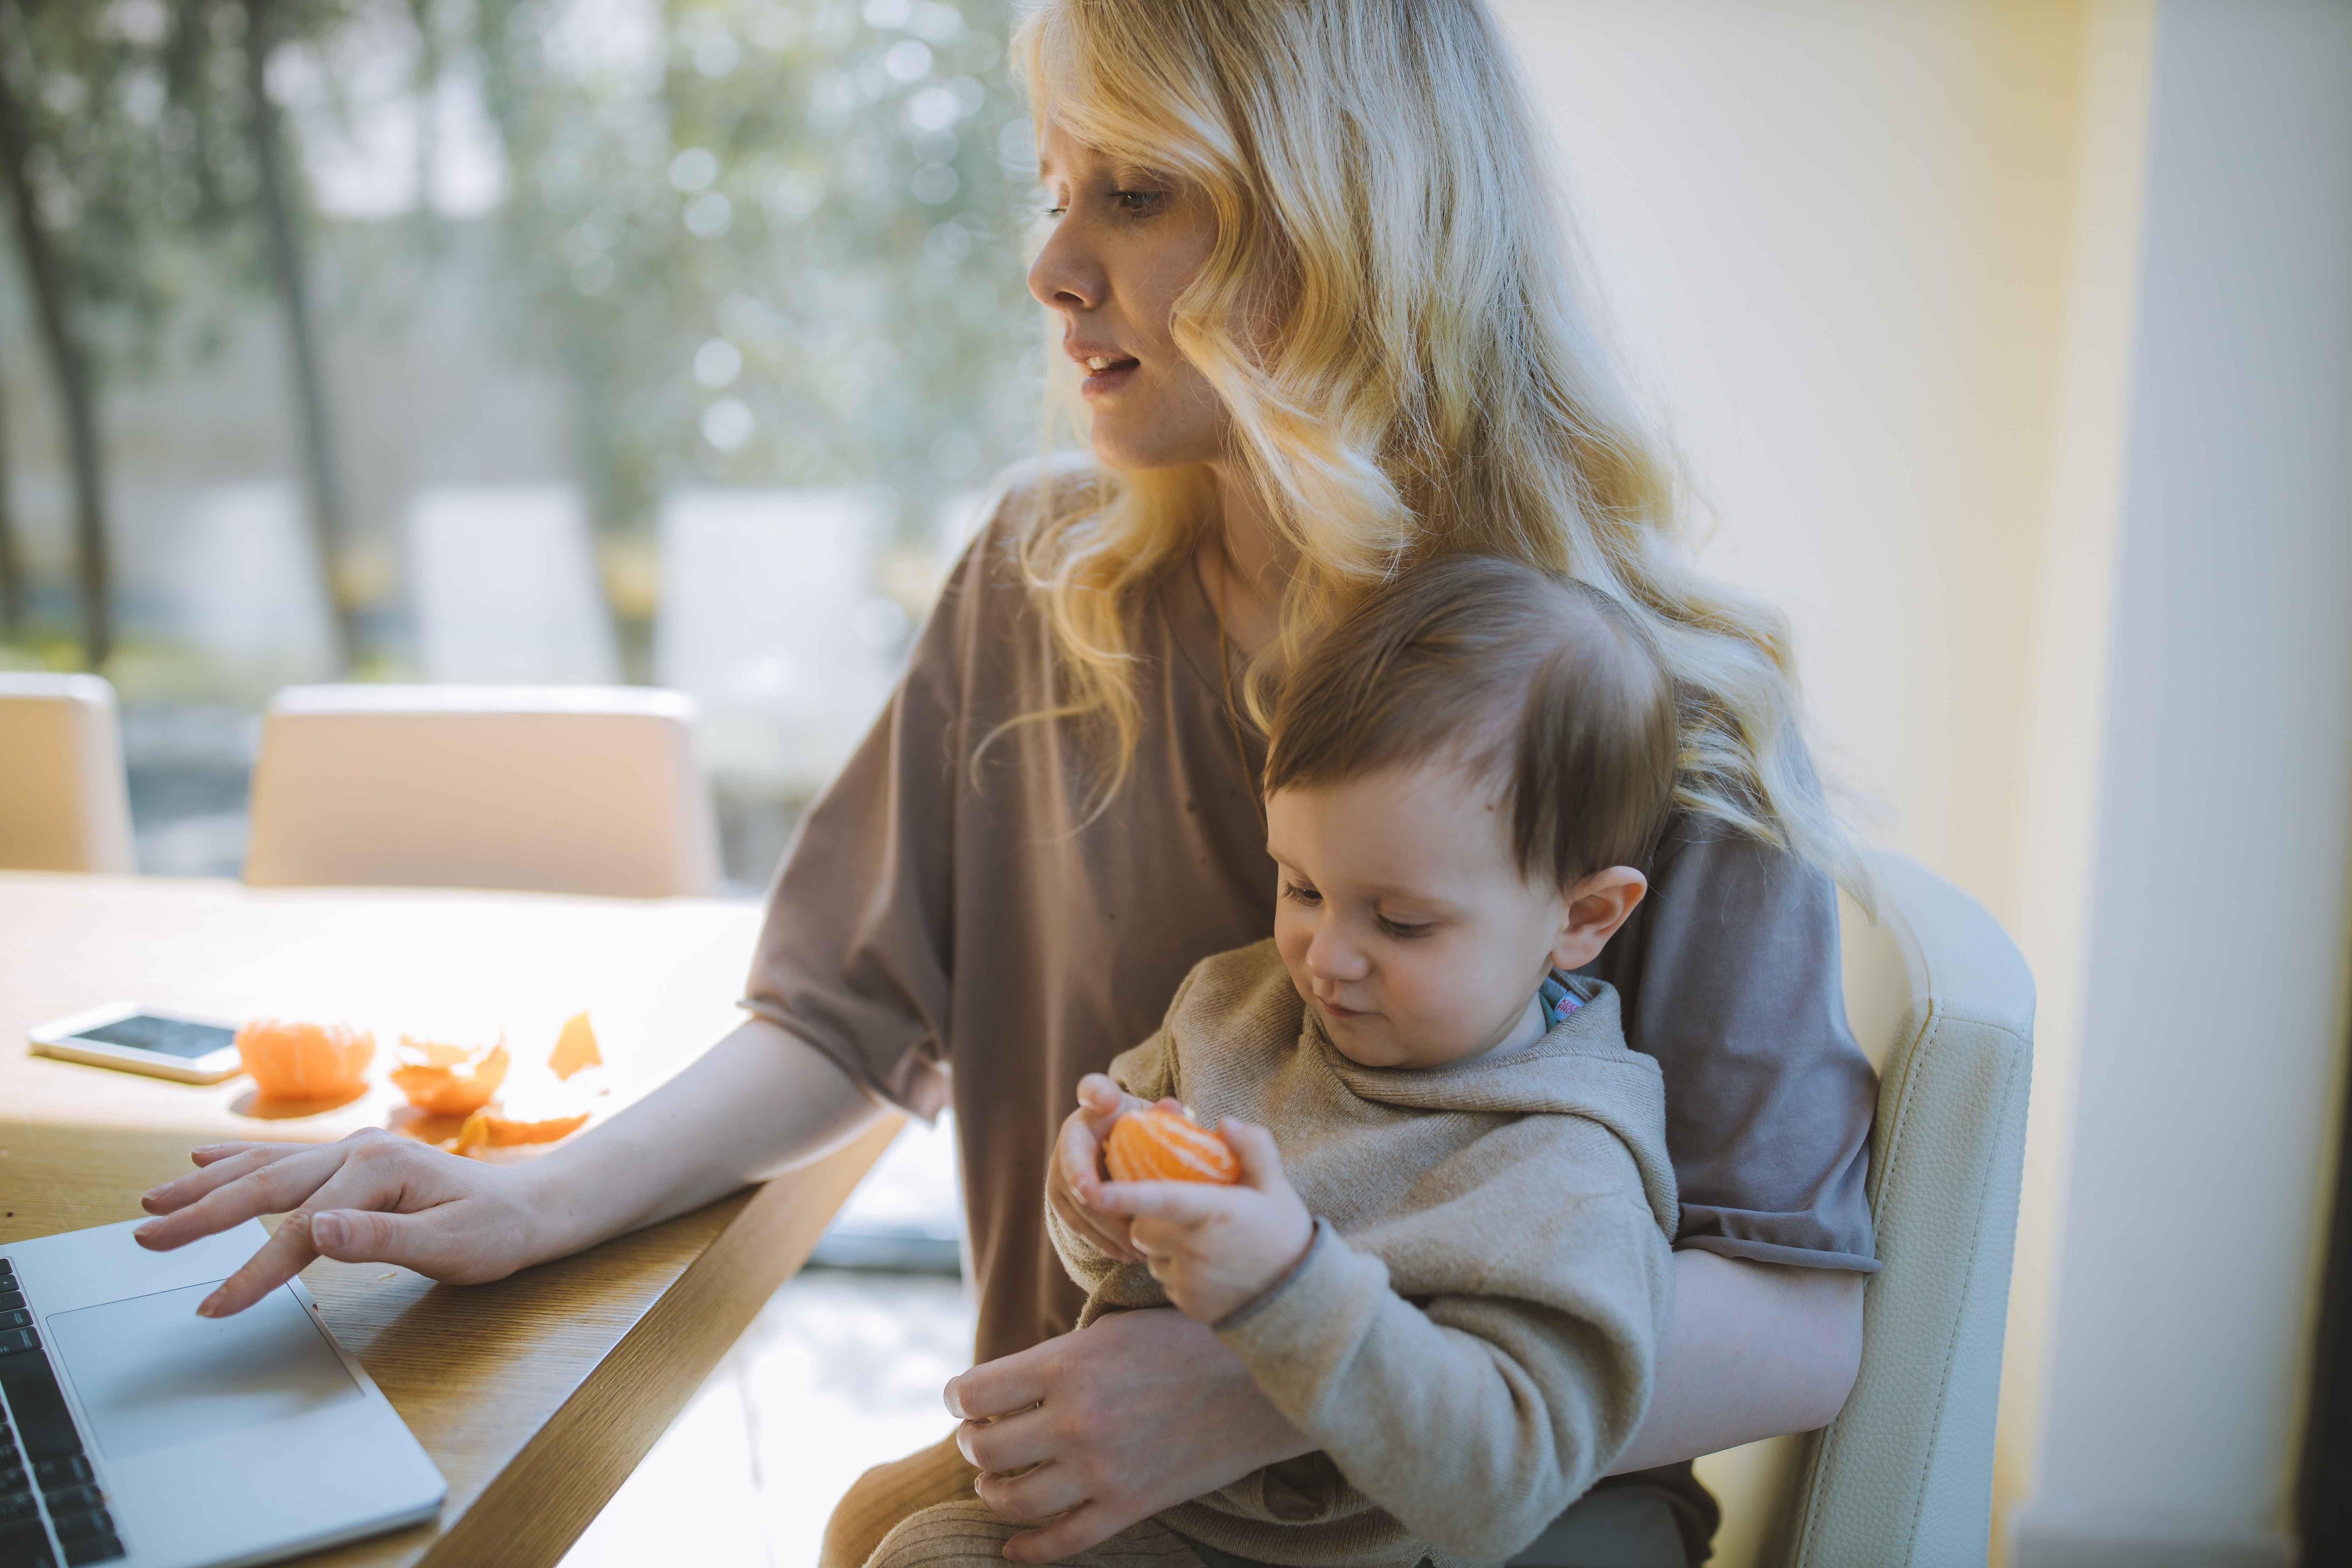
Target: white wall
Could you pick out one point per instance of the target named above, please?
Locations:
(2006, 341)
(1831, 234)
(2213, 1030)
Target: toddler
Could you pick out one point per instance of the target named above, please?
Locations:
(1446, 1260)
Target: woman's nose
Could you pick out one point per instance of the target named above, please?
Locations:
(1064, 277)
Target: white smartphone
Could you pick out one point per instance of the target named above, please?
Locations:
(144, 1039)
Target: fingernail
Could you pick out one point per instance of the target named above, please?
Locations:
(209, 1307)
(327, 1229)
(146, 1232)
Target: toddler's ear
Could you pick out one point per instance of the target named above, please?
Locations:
(1592, 911)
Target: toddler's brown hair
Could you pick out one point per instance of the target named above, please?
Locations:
(1544, 682)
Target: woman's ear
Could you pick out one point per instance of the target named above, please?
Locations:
(1596, 907)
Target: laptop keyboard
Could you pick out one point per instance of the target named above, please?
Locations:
(47, 1490)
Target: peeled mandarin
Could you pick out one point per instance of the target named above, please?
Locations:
(575, 1047)
(293, 1059)
(1158, 1145)
(445, 1080)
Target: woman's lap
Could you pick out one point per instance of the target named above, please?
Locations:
(929, 1493)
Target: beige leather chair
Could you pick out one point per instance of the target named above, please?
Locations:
(64, 804)
(1942, 1002)
(552, 789)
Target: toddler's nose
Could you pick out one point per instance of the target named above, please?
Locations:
(1334, 959)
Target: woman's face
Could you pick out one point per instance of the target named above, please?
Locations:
(1124, 243)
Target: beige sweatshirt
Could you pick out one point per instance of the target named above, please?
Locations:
(1470, 1336)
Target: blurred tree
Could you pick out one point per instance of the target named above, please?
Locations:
(144, 168)
(12, 559)
(69, 205)
(768, 243)
(279, 208)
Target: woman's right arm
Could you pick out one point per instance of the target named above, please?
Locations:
(757, 1104)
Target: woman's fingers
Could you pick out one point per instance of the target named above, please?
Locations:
(1001, 1386)
(212, 1152)
(273, 1187)
(1048, 1490)
(180, 1191)
(279, 1260)
(353, 1184)
(1010, 1443)
(1086, 1525)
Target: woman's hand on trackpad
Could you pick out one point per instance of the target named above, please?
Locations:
(372, 1197)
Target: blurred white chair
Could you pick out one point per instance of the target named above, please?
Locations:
(552, 789)
(63, 804)
(1942, 1003)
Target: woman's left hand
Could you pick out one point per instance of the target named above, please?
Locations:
(1216, 1248)
(1110, 1424)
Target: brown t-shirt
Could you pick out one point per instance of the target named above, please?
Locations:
(951, 904)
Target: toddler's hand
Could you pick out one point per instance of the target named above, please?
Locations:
(1074, 1175)
(1217, 1248)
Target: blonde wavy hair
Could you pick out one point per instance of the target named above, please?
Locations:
(1434, 386)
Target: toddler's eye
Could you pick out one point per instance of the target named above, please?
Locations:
(1406, 930)
(1299, 893)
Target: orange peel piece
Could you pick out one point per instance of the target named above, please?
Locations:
(290, 1058)
(445, 1080)
(490, 1129)
(1157, 1145)
(575, 1047)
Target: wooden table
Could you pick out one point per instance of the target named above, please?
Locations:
(536, 1395)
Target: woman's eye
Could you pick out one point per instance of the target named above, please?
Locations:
(1137, 204)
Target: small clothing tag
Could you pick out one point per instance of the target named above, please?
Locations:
(1559, 1001)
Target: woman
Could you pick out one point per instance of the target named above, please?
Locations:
(1301, 253)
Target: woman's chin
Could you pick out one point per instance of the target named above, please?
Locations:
(1132, 447)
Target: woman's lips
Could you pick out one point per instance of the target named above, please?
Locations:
(1110, 378)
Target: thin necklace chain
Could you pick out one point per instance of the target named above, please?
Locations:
(1225, 680)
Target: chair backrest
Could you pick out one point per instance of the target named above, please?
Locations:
(1942, 1003)
(549, 789)
(63, 804)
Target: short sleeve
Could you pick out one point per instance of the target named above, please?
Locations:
(855, 952)
(1729, 974)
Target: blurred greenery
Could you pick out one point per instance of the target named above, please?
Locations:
(755, 242)
(782, 251)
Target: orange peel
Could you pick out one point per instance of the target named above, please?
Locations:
(489, 1128)
(290, 1058)
(575, 1047)
(1155, 1144)
(445, 1080)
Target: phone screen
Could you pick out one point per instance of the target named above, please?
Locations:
(166, 1037)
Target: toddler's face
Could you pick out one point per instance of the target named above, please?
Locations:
(1403, 919)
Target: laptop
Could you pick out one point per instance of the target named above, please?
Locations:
(141, 1434)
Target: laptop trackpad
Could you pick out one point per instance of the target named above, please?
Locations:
(151, 1373)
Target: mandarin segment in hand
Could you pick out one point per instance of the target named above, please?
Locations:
(294, 1060)
(1158, 1144)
